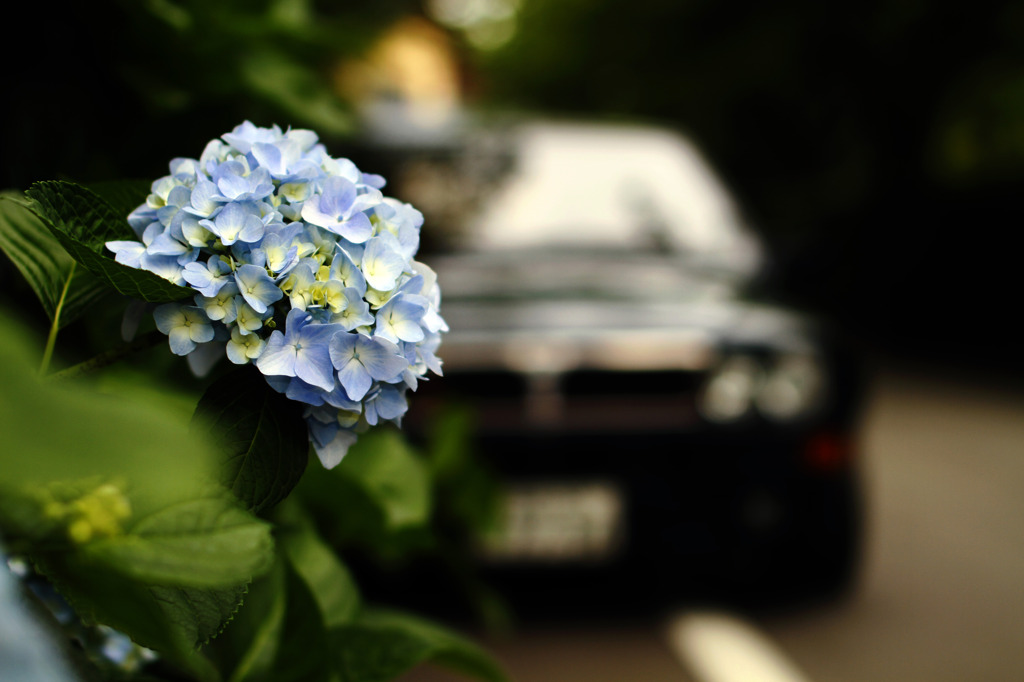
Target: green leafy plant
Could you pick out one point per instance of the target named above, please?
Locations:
(202, 539)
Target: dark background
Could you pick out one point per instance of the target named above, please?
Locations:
(878, 146)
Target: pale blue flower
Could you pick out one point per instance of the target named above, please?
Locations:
(256, 287)
(205, 199)
(178, 198)
(330, 441)
(248, 320)
(236, 181)
(382, 262)
(338, 208)
(280, 251)
(242, 348)
(238, 221)
(387, 402)
(246, 134)
(167, 267)
(141, 218)
(208, 278)
(301, 285)
(399, 318)
(345, 270)
(298, 390)
(166, 244)
(193, 233)
(280, 157)
(222, 306)
(404, 222)
(266, 226)
(361, 360)
(185, 326)
(302, 351)
(355, 312)
(127, 252)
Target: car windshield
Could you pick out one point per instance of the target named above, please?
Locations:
(581, 190)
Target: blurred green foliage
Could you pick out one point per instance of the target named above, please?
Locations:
(114, 88)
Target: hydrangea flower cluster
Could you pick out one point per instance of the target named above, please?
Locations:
(302, 267)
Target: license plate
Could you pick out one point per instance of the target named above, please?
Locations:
(554, 522)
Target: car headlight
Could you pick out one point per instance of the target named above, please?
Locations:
(729, 392)
(786, 388)
(793, 387)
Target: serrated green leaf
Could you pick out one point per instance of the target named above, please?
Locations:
(207, 542)
(83, 222)
(169, 620)
(123, 196)
(199, 614)
(381, 645)
(261, 435)
(278, 635)
(44, 263)
(79, 213)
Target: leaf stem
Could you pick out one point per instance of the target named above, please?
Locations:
(51, 339)
(147, 340)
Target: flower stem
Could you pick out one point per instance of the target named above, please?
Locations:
(147, 340)
(51, 340)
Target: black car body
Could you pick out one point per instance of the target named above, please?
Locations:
(661, 436)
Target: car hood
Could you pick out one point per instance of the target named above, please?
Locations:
(555, 313)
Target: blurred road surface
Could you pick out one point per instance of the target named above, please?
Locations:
(941, 595)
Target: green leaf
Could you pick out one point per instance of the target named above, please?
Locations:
(199, 614)
(379, 497)
(137, 488)
(395, 477)
(68, 432)
(329, 579)
(123, 196)
(278, 635)
(466, 490)
(172, 621)
(44, 263)
(382, 645)
(206, 542)
(83, 222)
(261, 435)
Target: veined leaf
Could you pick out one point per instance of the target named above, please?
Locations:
(172, 621)
(199, 614)
(278, 635)
(261, 435)
(44, 263)
(381, 645)
(133, 552)
(207, 542)
(123, 196)
(83, 222)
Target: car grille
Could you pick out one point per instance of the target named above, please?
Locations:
(573, 401)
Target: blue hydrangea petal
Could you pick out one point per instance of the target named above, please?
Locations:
(257, 288)
(127, 252)
(383, 262)
(278, 357)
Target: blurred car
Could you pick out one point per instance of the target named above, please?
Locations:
(661, 436)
